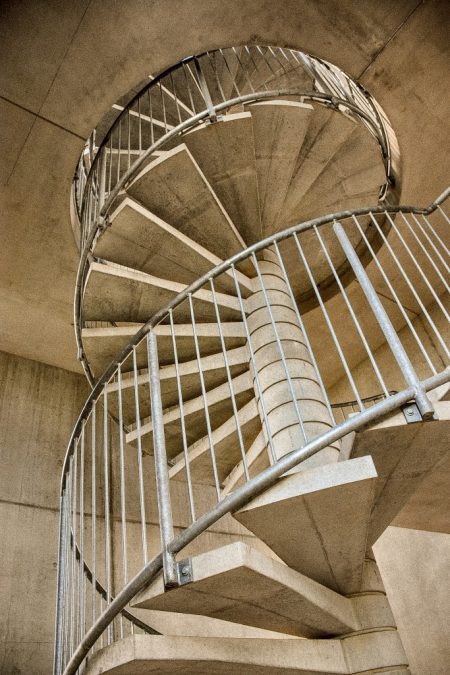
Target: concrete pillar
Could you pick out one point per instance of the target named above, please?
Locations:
(282, 417)
(377, 645)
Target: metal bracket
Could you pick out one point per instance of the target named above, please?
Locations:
(412, 413)
(214, 120)
(185, 574)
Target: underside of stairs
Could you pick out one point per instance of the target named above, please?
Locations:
(301, 571)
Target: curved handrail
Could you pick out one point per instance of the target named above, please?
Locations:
(284, 234)
(336, 89)
(222, 267)
(266, 477)
(134, 169)
(235, 501)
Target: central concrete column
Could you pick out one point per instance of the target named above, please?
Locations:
(377, 645)
(276, 391)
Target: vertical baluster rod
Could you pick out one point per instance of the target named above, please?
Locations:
(423, 403)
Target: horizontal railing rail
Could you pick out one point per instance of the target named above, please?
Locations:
(161, 445)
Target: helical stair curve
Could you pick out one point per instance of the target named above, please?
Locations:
(221, 338)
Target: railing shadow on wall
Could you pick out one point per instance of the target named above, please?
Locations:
(131, 470)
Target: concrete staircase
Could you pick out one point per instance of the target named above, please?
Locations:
(220, 188)
(319, 579)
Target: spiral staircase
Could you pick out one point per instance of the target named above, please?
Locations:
(221, 337)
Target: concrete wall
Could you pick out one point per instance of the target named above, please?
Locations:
(38, 406)
(415, 568)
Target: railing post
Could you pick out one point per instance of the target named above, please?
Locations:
(102, 179)
(205, 91)
(161, 467)
(60, 600)
(423, 402)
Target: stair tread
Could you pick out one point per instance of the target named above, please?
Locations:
(239, 584)
(325, 513)
(196, 403)
(356, 169)
(218, 656)
(327, 131)
(279, 128)
(189, 204)
(139, 239)
(227, 450)
(220, 410)
(116, 293)
(225, 152)
(214, 374)
(257, 460)
(403, 454)
(103, 344)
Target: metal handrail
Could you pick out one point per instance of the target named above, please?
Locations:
(265, 478)
(309, 63)
(280, 236)
(234, 260)
(96, 202)
(234, 502)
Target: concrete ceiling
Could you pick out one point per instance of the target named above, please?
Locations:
(64, 63)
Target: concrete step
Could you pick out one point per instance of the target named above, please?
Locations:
(257, 459)
(404, 455)
(116, 293)
(325, 512)
(104, 343)
(175, 189)
(214, 375)
(350, 178)
(279, 128)
(225, 442)
(327, 131)
(239, 584)
(219, 408)
(145, 654)
(225, 153)
(139, 239)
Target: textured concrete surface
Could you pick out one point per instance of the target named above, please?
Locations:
(404, 456)
(239, 584)
(325, 515)
(415, 570)
(34, 430)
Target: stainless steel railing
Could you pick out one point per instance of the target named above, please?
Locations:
(160, 444)
(200, 86)
(198, 90)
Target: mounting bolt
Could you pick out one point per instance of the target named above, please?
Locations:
(184, 572)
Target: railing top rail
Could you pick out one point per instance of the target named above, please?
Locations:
(331, 90)
(307, 61)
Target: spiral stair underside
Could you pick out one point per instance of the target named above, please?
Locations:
(173, 224)
(310, 572)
